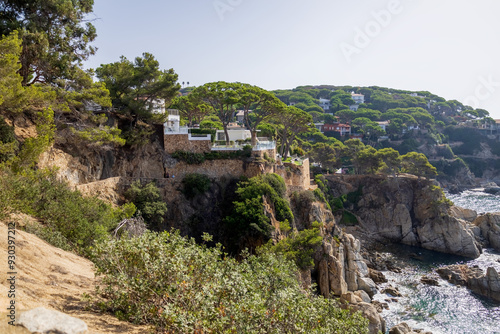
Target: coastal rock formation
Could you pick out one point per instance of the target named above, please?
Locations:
(487, 285)
(462, 213)
(489, 225)
(407, 210)
(355, 303)
(341, 268)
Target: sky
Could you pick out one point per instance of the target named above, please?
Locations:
(447, 47)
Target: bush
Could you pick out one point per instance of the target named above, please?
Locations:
(248, 219)
(300, 246)
(149, 203)
(181, 287)
(67, 216)
(8, 142)
(195, 184)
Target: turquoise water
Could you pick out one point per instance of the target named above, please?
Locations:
(445, 308)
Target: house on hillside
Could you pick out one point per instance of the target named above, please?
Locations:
(325, 104)
(358, 98)
(384, 124)
(342, 129)
(172, 125)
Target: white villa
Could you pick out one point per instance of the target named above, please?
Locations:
(324, 103)
(358, 98)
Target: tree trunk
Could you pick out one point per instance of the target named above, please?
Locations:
(254, 137)
(226, 133)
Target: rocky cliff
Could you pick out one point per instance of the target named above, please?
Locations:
(406, 210)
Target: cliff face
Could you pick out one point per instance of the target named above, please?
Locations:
(407, 210)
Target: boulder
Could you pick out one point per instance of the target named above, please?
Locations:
(377, 276)
(366, 284)
(42, 320)
(462, 213)
(363, 295)
(392, 291)
(369, 311)
(429, 281)
(489, 224)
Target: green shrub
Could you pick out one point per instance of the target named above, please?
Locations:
(348, 218)
(300, 246)
(181, 287)
(194, 184)
(66, 215)
(248, 218)
(8, 142)
(149, 203)
(321, 197)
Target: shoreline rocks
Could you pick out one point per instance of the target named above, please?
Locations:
(484, 284)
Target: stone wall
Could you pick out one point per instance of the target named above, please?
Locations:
(296, 177)
(181, 142)
(271, 153)
(229, 168)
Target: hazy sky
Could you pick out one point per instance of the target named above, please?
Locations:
(448, 47)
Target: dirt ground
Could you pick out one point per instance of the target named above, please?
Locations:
(55, 279)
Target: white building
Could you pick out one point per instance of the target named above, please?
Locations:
(234, 134)
(383, 124)
(172, 125)
(324, 103)
(358, 98)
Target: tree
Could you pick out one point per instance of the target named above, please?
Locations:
(11, 90)
(417, 164)
(54, 37)
(391, 160)
(260, 104)
(327, 155)
(346, 115)
(192, 107)
(223, 98)
(135, 86)
(367, 161)
(351, 150)
(292, 121)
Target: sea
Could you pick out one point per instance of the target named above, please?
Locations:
(446, 308)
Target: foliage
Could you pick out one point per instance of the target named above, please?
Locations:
(291, 122)
(181, 287)
(135, 87)
(417, 164)
(199, 158)
(300, 247)
(192, 107)
(248, 218)
(148, 202)
(223, 97)
(55, 36)
(8, 142)
(348, 218)
(34, 146)
(101, 136)
(195, 184)
(66, 215)
(327, 155)
(320, 196)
